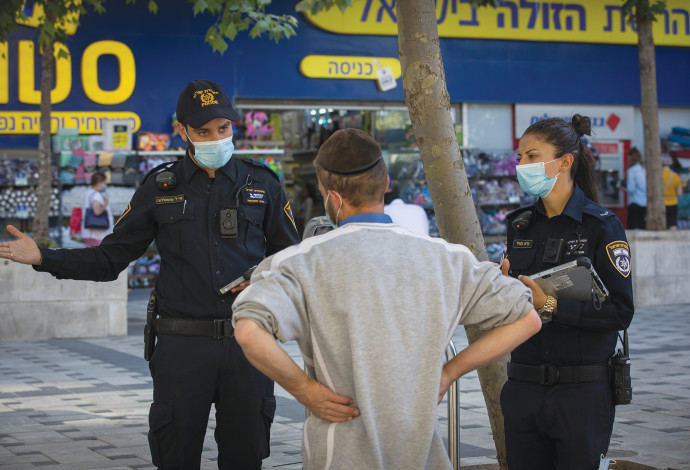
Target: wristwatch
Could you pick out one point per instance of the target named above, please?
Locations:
(546, 312)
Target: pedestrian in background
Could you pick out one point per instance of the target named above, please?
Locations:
(373, 349)
(212, 216)
(558, 403)
(95, 199)
(409, 216)
(673, 188)
(636, 187)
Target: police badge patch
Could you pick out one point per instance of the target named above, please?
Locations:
(619, 254)
(288, 212)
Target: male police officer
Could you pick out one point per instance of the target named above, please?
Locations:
(212, 217)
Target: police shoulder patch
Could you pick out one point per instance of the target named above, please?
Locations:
(288, 211)
(619, 254)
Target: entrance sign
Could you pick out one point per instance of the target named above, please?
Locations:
(348, 67)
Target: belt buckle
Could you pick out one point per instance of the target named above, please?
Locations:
(549, 375)
(219, 327)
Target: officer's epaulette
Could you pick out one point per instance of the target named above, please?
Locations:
(520, 209)
(157, 169)
(251, 161)
(594, 209)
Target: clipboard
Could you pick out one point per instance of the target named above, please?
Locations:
(575, 280)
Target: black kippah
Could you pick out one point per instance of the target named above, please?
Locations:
(349, 152)
(356, 171)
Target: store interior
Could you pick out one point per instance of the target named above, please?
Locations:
(286, 138)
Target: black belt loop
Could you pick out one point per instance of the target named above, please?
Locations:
(219, 328)
(547, 374)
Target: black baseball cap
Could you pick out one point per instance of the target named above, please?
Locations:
(202, 101)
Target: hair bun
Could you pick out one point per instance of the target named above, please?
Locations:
(582, 125)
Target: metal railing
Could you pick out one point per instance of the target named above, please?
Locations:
(453, 415)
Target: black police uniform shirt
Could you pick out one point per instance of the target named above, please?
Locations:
(579, 333)
(196, 260)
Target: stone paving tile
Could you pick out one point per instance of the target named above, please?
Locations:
(87, 400)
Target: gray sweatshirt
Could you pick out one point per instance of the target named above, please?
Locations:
(373, 308)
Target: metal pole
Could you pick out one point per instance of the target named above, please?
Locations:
(453, 415)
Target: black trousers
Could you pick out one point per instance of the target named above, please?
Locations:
(671, 216)
(559, 427)
(637, 216)
(189, 374)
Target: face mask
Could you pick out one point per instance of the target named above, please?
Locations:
(214, 154)
(325, 206)
(533, 180)
(102, 191)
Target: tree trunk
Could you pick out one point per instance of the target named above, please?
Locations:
(656, 211)
(427, 99)
(41, 228)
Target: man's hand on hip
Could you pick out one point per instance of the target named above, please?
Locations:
(326, 404)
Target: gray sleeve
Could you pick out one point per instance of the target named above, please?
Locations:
(274, 299)
(490, 299)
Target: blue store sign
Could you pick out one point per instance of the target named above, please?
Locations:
(130, 64)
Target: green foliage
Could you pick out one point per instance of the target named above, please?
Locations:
(10, 12)
(66, 13)
(315, 6)
(643, 8)
(233, 16)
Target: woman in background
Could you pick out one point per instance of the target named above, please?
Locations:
(673, 188)
(95, 199)
(636, 187)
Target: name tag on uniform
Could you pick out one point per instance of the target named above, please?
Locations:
(522, 243)
(254, 196)
(577, 247)
(169, 199)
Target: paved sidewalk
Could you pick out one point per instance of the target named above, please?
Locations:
(83, 403)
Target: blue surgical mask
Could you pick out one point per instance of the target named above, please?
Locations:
(533, 180)
(214, 154)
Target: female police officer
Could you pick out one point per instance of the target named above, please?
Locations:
(557, 403)
(213, 216)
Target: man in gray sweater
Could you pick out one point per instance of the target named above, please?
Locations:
(373, 307)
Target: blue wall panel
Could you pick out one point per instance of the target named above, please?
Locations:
(169, 51)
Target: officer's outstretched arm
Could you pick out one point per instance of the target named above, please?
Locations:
(265, 354)
(22, 250)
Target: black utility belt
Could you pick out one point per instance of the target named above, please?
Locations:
(547, 374)
(216, 329)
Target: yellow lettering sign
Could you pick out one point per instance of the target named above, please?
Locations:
(28, 92)
(352, 67)
(27, 122)
(586, 21)
(4, 73)
(37, 16)
(89, 72)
